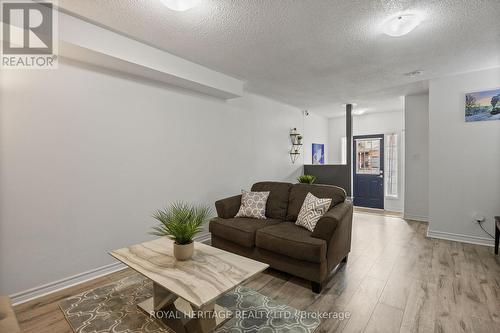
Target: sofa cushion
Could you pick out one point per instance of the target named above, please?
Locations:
(277, 202)
(291, 240)
(299, 191)
(253, 204)
(312, 210)
(239, 230)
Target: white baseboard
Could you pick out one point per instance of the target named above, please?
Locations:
(203, 238)
(30, 294)
(51, 287)
(460, 238)
(420, 218)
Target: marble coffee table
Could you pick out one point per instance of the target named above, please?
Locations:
(188, 288)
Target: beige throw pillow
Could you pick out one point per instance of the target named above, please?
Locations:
(253, 204)
(311, 211)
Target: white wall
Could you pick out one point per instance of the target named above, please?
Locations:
(417, 157)
(373, 123)
(464, 160)
(336, 131)
(315, 131)
(87, 155)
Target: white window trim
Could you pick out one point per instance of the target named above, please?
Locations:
(398, 165)
(343, 149)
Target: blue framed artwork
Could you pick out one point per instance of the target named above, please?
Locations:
(482, 105)
(318, 153)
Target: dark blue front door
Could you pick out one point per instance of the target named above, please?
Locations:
(368, 171)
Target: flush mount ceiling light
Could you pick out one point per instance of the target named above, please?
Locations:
(359, 112)
(180, 5)
(401, 25)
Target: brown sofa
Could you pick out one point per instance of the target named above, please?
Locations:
(280, 243)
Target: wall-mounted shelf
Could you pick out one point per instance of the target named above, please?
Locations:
(296, 141)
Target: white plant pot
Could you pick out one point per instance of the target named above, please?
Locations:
(184, 251)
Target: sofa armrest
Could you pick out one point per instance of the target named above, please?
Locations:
(228, 207)
(328, 223)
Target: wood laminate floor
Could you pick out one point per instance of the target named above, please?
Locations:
(396, 280)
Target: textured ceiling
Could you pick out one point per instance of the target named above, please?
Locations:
(314, 53)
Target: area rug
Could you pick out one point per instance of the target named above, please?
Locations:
(112, 309)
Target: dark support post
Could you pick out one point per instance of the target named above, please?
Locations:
(338, 174)
(349, 143)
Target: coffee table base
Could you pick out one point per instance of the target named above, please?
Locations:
(178, 315)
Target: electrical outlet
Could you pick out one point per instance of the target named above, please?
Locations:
(477, 218)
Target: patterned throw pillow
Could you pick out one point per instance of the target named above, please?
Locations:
(253, 204)
(311, 211)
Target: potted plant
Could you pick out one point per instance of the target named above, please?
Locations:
(308, 179)
(181, 222)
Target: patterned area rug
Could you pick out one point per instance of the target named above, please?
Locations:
(112, 308)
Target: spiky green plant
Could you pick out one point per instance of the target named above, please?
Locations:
(181, 221)
(308, 179)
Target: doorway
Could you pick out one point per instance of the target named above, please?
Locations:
(368, 171)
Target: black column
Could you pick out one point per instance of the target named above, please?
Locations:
(349, 143)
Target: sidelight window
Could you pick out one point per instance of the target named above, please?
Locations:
(391, 170)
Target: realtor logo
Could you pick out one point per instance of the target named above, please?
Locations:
(28, 34)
